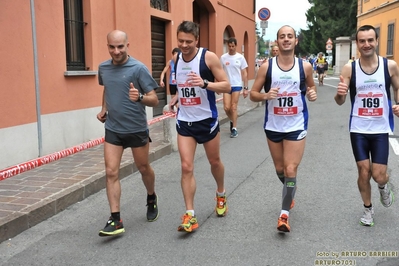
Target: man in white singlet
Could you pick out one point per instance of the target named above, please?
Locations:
(287, 81)
(199, 75)
(368, 81)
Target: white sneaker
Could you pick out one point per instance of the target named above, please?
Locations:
(367, 218)
(386, 196)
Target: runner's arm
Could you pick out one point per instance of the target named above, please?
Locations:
(343, 85)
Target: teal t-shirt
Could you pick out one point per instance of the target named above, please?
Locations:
(125, 116)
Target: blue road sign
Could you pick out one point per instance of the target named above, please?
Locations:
(264, 14)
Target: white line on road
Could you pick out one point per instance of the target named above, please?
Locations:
(394, 143)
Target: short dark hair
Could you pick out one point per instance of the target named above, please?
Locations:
(189, 27)
(366, 28)
(232, 40)
(175, 50)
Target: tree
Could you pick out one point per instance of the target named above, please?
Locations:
(262, 45)
(327, 19)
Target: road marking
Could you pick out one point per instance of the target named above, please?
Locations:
(394, 144)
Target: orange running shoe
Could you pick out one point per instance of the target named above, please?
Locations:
(282, 224)
(189, 223)
(221, 206)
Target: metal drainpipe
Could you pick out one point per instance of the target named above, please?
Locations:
(36, 70)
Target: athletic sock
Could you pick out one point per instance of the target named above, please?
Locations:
(190, 211)
(288, 192)
(151, 197)
(284, 212)
(221, 194)
(368, 207)
(116, 216)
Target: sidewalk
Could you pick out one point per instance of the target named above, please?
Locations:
(34, 196)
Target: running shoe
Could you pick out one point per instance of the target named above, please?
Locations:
(189, 223)
(367, 218)
(386, 196)
(221, 206)
(152, 209)
(282, 224)
(234, 133)
(112, 228)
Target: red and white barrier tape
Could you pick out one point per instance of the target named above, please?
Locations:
(23, 167)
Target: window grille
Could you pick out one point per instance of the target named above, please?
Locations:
(391, 28)
(74, 35)
(160, 5)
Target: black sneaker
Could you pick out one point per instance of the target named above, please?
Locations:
(112, 228)
(152, 209)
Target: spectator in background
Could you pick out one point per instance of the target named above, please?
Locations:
(351, 60)
(171, 90)
(275, 51)
(235, 66)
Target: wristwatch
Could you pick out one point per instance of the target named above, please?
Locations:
(206, 82)
(141, 96)
(245, 88)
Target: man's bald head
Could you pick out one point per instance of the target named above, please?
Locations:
(118, 46)
(117, 34)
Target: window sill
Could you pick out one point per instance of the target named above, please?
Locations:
(80, 73)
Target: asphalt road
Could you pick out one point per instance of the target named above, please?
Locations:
(325, 220)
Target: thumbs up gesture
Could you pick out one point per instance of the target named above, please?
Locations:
(311, 94)
(342, 88)
(133, 93)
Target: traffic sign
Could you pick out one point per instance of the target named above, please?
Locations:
(264, 14)
(329, 41)
(329, 47)
(264, 24)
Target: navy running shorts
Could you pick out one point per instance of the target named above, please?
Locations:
(280, 136)
(374, 145)
(202, 131)
(172, 89)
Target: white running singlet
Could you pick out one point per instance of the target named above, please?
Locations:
(371, 106)
(288, 112)
(195, 103)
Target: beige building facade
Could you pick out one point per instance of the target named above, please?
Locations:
(382, 15)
